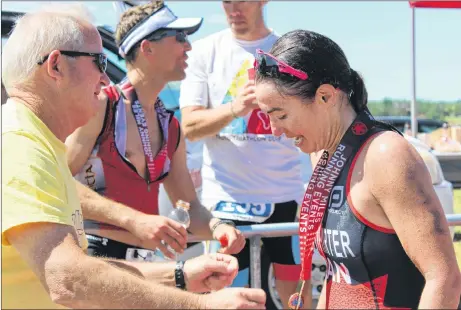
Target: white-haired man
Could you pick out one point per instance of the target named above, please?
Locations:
(53, 70)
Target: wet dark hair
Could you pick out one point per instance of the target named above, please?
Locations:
(323, 61)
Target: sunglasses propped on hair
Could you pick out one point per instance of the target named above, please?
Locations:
(100, 59)
(269, 65)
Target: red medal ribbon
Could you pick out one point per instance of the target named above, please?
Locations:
(312, 210)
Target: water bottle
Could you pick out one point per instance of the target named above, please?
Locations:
(180, 214)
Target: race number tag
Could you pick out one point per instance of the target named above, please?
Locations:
(251, 212)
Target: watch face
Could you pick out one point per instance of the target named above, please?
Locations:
(179, 275)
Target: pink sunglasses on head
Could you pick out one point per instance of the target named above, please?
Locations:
(271, 66)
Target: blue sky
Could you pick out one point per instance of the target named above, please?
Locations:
(376, 37)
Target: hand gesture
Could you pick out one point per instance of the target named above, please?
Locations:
(231, 239)
(235, 298)
(245, 100)
(206, 273)
(153, 229)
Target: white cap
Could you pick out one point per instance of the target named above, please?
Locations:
(161, 19)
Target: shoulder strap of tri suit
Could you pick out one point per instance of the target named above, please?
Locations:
(174, 135)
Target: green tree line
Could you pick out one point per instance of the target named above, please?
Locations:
(447, 111)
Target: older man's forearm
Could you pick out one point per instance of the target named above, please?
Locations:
(95, 283)
(159, 272)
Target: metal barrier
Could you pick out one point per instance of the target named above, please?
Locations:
(256, 231)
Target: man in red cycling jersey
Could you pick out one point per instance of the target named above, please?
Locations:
(133, 144)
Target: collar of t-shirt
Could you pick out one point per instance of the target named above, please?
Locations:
(256, 43)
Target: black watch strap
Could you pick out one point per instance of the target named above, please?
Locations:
(179, 275)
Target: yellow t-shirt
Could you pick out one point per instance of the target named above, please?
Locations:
(37, 186)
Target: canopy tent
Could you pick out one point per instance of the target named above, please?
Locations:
(436, 4)
(423, 4)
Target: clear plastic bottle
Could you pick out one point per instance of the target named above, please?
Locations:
(180, 214)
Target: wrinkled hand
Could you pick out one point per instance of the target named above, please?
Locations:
(231, 239)
(235, 298)
(245, 100)
(206, 273)
(152, 229)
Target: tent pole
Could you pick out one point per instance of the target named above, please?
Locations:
(414, 112)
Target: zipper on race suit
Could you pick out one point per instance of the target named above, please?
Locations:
(148, 185)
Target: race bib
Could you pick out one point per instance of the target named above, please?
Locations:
(251, 212)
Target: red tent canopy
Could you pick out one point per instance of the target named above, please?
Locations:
(436, 4)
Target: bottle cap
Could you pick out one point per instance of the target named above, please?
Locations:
(183, 204)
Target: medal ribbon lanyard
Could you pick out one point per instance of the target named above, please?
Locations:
(316, 197)
(154, 164)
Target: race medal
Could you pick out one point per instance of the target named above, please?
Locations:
(296, 300)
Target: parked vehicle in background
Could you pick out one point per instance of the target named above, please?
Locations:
(424, 125)
(449, 162)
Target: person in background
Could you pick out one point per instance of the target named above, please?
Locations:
(249, 175)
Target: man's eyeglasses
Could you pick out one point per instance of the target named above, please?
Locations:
(100, 59)
(181, 36)
(271, 66)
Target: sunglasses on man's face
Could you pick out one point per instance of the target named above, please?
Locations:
(181, 36)
(100, 59)
(269, 65)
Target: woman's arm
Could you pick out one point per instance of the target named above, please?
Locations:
(402, 187)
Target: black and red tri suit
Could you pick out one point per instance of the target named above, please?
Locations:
(367, 265)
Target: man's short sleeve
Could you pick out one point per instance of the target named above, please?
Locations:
(33, 189)
(194, 88)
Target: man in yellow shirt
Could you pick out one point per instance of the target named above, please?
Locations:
(53, 70)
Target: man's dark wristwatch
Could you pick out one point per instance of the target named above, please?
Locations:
(179, 275)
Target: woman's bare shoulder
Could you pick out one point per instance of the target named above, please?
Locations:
(389, 147)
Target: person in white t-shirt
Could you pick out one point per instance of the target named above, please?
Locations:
(248, 175)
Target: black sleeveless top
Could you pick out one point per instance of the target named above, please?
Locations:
(367, 265)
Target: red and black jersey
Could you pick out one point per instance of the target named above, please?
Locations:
(110, 173)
